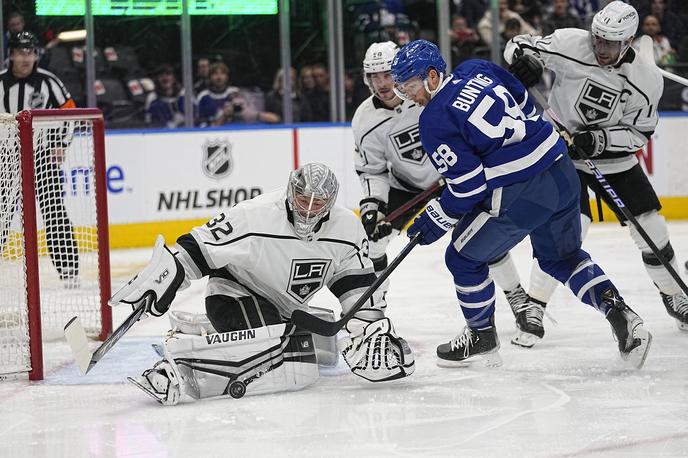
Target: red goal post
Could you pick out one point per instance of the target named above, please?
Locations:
(53, 232)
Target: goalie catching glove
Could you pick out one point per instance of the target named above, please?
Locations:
(157, 284)
(375, 352)
(372, 217)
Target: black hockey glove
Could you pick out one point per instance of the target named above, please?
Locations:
(527, 69)
(591, 142)
(372, 213)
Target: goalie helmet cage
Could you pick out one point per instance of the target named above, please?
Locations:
(53, 232)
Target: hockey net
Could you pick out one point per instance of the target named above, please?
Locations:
(54, 260)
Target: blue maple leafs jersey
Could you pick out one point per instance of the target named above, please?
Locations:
(482, 132)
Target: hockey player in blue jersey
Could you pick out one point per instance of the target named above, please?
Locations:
(508, 176)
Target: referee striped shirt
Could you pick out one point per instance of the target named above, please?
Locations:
(41, 89)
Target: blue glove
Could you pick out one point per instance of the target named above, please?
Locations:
(433, 223)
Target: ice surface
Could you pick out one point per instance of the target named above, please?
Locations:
(568, 396)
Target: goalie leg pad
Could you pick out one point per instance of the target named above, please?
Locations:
(196, 324)
(157, 283)
(244, 362)
(325, 347)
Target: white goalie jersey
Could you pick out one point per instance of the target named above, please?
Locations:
(255, 243)
(388, 149)
(620, 100)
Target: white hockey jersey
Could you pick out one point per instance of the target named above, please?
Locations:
(255, 242)
(388, 152)
(621, 100)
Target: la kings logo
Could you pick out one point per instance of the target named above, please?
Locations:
(407, 145)
(307, 277)
(596, 102)
(217, 159)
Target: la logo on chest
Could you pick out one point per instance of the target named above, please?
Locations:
(307, 276)
(597, 102)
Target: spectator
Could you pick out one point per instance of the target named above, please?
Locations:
(164, 107)
(560, 18)
(15, 24)
(463, 40)
(529, 10)
(212, 100)
(306, 81)
(512, 28)
(273, 102)
(671, 24)
(319, 97)
(485, 24)
(202, 71)
(471, 10)
(222, 104)
(663, 52)
(586, 9)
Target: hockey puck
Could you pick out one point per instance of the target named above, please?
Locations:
(237, 389)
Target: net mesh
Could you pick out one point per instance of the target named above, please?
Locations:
(63, 157)
(14, 329)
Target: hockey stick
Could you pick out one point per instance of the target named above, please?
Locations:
(76, 337)
(425, 195)
(607, 187)
(322, 327)
(644, 44)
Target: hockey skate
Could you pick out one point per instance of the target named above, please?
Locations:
(528, 313)
(634, 340)
(463, 349)
(677, 307)
(161, 383)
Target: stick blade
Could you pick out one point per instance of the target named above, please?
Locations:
(76, 338)
(314, 324)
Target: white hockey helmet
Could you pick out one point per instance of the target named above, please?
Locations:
(378, 58)
(311, 193)
(616, 22)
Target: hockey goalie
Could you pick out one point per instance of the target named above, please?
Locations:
(265, 258)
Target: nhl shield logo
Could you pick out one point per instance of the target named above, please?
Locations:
(407, 145)
(307, 277)
(217, 159)
(596, 102)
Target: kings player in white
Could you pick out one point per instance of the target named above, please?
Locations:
(389, 159)
(265, 258)
(607, 96)
(392, 166)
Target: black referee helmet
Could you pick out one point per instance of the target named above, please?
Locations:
(23, 40)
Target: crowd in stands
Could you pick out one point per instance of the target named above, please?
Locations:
(133, 96)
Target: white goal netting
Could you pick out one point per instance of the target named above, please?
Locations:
(68, 275)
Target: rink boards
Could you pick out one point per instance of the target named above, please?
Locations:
(167, 181)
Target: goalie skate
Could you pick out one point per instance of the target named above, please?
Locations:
(470, 347)
(677, 308)
(161, 383)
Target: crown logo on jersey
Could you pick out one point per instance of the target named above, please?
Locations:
(307, 277)
(596, 102)
(217, 162)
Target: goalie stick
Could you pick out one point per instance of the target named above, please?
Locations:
(618, 203)
(76, 337)
(423, 196)
(322, 327)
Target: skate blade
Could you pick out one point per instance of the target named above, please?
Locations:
(486, 359)
(638, 355)
(525, 340)
(143, 386)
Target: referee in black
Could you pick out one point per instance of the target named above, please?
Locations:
(24, 86)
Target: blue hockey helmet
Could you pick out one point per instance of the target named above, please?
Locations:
(415, 59)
